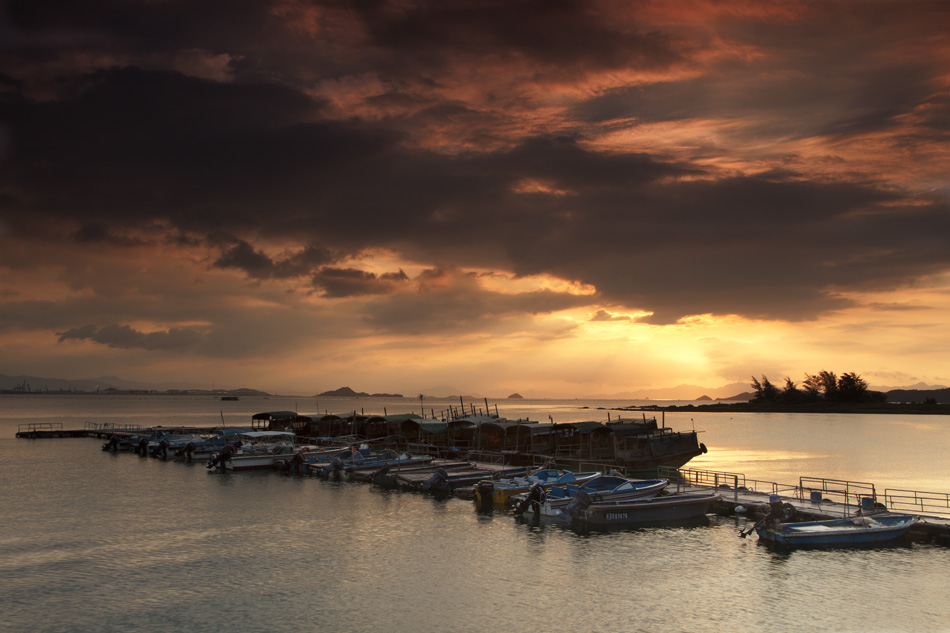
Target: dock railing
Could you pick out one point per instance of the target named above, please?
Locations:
(821, 490)
(832, 493)
(112, 426)
(725, 481)
(913, 501)
(29, 427)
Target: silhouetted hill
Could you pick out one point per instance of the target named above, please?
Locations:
(346, 392)
(941, 396)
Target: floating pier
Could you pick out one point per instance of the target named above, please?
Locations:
(814, 499)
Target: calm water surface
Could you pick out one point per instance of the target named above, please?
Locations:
(91, 541)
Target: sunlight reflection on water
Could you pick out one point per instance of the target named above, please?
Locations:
(91, 541)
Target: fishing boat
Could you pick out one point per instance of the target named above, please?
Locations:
(258, 449)
(557, 500)
(498, 491)
(658, 510)
(858, 530)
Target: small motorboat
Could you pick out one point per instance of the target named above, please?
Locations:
(858, 530)
(499, 491)
(558, 500)
(657, 510)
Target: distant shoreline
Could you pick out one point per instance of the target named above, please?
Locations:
(904, 408)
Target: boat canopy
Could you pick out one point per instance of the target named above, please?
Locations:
(275, 415)
(401, 417)
(317, 417)
(262, 434)
(425, 427)
(632, 427)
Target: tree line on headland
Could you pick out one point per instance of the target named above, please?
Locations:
(826, 392)
(824, 386)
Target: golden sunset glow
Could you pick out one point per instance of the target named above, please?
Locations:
(658, 199)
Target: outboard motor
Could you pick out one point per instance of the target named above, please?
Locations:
(438, 482)
(579, 502)
(189, 451)
(334, 468)
(779, 512)
(112, 444)
(142, 449)
(162, 451)
(295, 464)
(534, 499)
(221, 457)
(484, 495)
(382, 478)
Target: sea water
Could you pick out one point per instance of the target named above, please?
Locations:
(96, 541)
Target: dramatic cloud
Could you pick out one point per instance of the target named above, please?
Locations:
(181, 177)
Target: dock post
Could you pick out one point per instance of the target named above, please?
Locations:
(735, 488)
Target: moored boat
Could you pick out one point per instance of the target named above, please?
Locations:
(498, 491)
(258, 449)
(656, 510)
(557, 500)
(858, 530)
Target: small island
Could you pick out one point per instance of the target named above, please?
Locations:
(346, 392)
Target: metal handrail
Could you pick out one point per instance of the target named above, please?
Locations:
(847, 492)
(930, 503)
(40, 426)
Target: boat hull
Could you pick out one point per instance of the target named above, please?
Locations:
(858, 531)
(503, 490)
(558, 499)
(651, 511)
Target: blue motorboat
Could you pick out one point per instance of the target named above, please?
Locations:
(858, 530)
(556, 501)
(497, 491)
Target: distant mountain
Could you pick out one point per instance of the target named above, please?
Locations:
(346, 392)
(745, 396)
(941, 396)
(516, 396)
(107, 384)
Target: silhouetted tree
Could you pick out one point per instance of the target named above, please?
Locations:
(825, 385)
(812, 387)
(851, 388)
(791, 393)
(764, 390)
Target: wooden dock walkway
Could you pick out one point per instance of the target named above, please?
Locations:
(814, 499)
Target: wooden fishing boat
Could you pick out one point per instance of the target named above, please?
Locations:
(656, 510)
(859, 530)
(258, 449)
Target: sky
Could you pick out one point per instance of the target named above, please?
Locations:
(559, 199)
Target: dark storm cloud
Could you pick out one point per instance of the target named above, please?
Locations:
(563, 34)
(98, 233)
(351, 282)
(256, 264)
(124, 337)
(137, 143)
